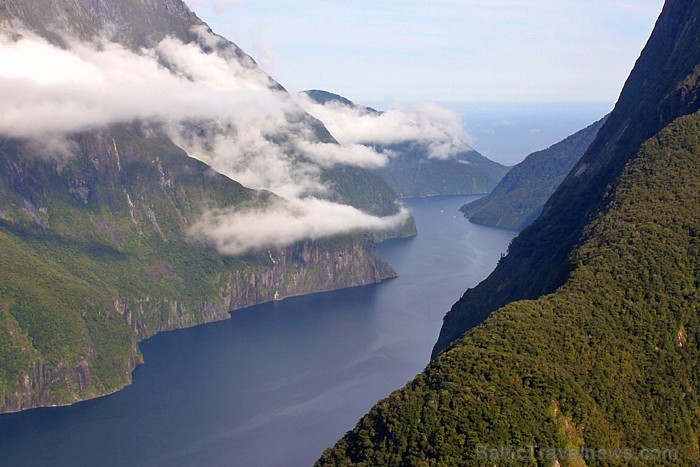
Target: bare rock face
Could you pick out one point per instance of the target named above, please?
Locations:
(308, 267)
(133, 23)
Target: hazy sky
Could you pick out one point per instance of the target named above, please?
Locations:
(442, 50)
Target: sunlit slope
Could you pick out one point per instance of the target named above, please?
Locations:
(104, 234)
(610, 360)
(97, 256)
(594, 341)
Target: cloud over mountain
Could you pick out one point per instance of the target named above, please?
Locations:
(235, 231)
(48, 89)
(439, 128)
(219, 107)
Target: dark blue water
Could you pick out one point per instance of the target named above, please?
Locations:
(277, 383)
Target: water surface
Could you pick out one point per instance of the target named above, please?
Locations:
(277, 383)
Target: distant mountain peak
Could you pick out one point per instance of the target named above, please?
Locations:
(425, 145)
(324, 97)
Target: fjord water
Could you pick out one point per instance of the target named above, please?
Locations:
(279, 382)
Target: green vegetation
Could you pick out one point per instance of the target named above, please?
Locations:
(412, 173)
(520, 196)
(94, 247)
(82, 248)
(94, 257)
(662, 87)
(609, 361)
(586, 337)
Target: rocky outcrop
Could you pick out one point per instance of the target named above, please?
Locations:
(308, 267)
(303, 268)
(45, 385)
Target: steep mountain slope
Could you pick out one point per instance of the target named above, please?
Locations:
(324, 97)
(97, 250)
(600, 366)
(662, 86)
(96, 257)
(608, 362)
(412, 170)
(143, 24)
(519, 197)
(413, 173)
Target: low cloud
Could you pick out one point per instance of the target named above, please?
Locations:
(437, 127)
(55, 147)
(327, 154)
(49, 90)
(257, 153)
(218, 107)
(236, 231)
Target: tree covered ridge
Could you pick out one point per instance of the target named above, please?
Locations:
(608, 361)
(662, 87)
(521, 194)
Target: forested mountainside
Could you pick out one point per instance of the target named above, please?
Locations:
(413, 171)
(519, 197)
(662, 86)
(597, 361)
(97, 249)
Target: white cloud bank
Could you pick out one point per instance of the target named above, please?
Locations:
(249, 132)
(50, 90)
(439, 128)
(235, 231)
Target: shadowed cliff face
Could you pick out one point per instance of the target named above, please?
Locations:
(662, 87)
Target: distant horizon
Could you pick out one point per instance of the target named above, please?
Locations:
(508, 135)
(507, 132)
(458, 103)
(552, 69)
